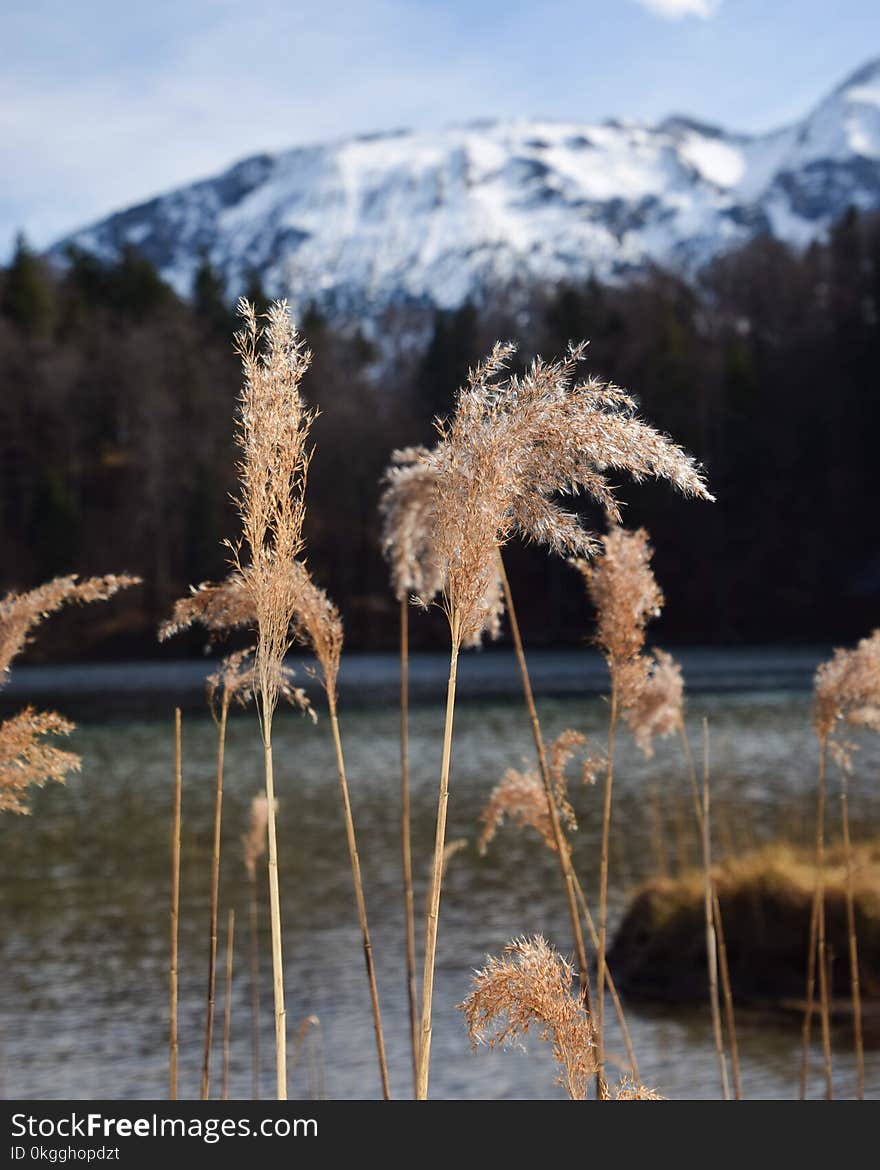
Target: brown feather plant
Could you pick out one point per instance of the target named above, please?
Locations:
(272, 433)
(26, 759)
(513, 444)
(408, 507)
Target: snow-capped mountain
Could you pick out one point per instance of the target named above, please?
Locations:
(435, 218)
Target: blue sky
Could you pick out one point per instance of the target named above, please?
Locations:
(104, 104)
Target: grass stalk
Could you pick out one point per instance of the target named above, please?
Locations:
(816, 955)
(711, 937)
(603, 879)
(253, 923)
(175, 908)
(275, 914)
(406, 841)
(727, 993)
(433, 915)
(359, 896)
(853, 946)
(810, 1000)
(215, 896)
(227, 1003)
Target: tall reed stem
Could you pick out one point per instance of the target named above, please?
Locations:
(853, 943)
(612, 989)
(275, 913)
(227, 1003)
(175, 907)
(215, 895)
(809, 1005)
(603, 878)
(816, 956)
(253, 916)
(711, 940)
(717, 926)
(359, 897)
(563, 852)
(727, 993)
(433, 916)
(406, 841)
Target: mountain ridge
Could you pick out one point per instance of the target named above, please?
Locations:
(440, 217)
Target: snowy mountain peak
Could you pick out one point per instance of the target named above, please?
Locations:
(439, 217)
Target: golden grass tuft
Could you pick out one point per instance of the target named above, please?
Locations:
(530, 986)
(27, 761)
(766, 898)
(521, 798)
(20, 613)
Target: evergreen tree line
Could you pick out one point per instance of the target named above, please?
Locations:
(116, 447)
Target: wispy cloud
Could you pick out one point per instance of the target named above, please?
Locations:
(677, 9)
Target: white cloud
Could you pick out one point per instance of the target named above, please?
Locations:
(677, 9)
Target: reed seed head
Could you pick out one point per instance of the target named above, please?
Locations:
(658, 708)
(21, 613)
(27, 761)
(625, 593)
(318, 625)
(408, 506)
(630, 1090)
(520, 796)
(234, 681)
(273, 431)
(219, 606)
(514, 444)
(847, 688)
(530, 985)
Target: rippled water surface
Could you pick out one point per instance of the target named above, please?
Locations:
(85, 895)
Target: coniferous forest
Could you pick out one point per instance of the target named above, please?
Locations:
(116, 452)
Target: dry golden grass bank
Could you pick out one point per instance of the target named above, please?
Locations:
(766, 899)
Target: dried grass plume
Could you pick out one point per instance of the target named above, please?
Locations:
(530, 986)
(515, 444)
(27, 761)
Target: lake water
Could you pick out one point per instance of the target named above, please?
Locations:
(84, 884)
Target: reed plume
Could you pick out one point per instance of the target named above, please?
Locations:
(656, 711)
(846, 694)
(319, 626)
(219, 606)
(408, 507)
(512, 445)
(21, 613)
(519, 797)
(529, 986)
(26, 759)
(272, 433)
(625, 594)
(631, 1090)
